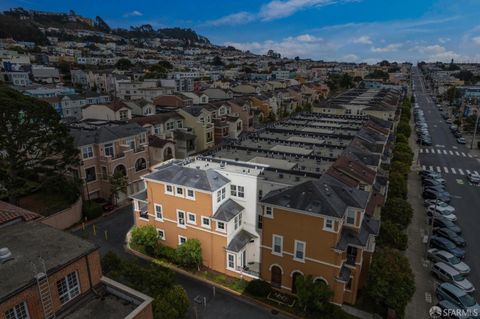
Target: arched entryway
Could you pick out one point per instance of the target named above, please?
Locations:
(295, 277)
(167, 153)
(120, 169)
(276, 279)
(140, 164)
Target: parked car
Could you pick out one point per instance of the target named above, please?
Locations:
(445, 244)
(448, 274)
(437, 255)
(430, 182)
(437, 188)
(432, 212)
(449, 121)
(473, 178)
(441, 206)
(461, 140)
(457, 134)
(451, 235)
(452, 311)
(433, 194)
(429, 173)
(458, 297)
(440, 222)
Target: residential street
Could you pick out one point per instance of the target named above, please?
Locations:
(223, 305)
(454, 161)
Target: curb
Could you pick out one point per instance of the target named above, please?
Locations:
(216, 285)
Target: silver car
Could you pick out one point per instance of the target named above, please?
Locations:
(449, 274)
(437, 255)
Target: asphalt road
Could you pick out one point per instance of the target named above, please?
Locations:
(222, 305)
(454, 161)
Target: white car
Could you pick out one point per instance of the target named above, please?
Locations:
(437, 255)
(473, 178)
(445, 214)
(442, 207)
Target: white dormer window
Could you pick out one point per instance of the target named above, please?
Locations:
(190, 194)
(205, 222)
(268, 211)
(169, 189)
(180, 191)
(350, 217)
(328, 224)
(87, 152)
(221, 195)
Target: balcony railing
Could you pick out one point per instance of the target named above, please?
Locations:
(252, 269)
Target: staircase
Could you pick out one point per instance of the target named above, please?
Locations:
(44, 290)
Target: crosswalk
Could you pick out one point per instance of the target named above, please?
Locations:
(444, 152)
(448, 170)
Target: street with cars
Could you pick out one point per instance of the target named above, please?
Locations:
(450, 180)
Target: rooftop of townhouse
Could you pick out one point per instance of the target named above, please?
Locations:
(97, 132)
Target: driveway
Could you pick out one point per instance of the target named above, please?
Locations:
(110, 236)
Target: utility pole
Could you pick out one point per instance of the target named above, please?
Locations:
(475, 129)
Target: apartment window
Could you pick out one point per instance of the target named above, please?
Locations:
(268, 211)
(142, 138)
(221, 226)
(179, 124)
(123, 115)
(157, 130)
(192, 218)
(181, 239)
(90, 174)
(87, 152)
(259, 221)
(241, 191)
(220, 195)
(131, 143)
(237, 191)
(299, 254)
(230, 261)
(328, 224)
(161, 234)
(205, 222)
(68, 287)
(108, 150)
(158, 212)
(170, 126)
(20, 311)
(104, 173)
(277, 247)
(209, 137)
(233, 190)
(169, 189)
(237, 221)
(180, 218)
(179, 191)
(349, 284)
(190, 194)
(351, 217)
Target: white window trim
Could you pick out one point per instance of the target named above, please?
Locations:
(281, 245)
(295, 251)
(188, 218)
(180, 237)
(234, 261)
(190, 197)
(265, 212)
(184, 217)
(25, 307)
(354, 217)
(167, 192)
(155, 212)
(69, 289)
(332, 229)
(136, 206)
(183, 191)
(209, 222)
(224, 230)
(93, 153)
(163, 231)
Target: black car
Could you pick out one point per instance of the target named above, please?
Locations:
(427, 182)
(447, 245)
(438, 188)
(432, 194)
(451, 235)
(457, 134)
(429, 173)
(440, 222)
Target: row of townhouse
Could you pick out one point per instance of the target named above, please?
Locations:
(263, 217)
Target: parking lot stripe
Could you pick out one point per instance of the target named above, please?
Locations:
(430, 168)
(445, 152)
(463, 154)
(445, 169)
(424, 167)
(460, 171)
(469, 155)
(451, 153)
(457, 153)
(453, 170)
(439, 169)
(421, 150)
(426, 150)
(468, 172)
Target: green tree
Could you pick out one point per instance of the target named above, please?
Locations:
(34, 143)
(452, 94)
(144, 236)
(398, 211)
(123, 64)
(402, 168)
(118, 184)
(392, 235)
(189, 254)
(312, 296)
(173, 304)
(400, 138)
(397, 185)
(390, 280)
(404, 129)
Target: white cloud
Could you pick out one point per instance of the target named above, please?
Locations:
(134, 13)
(350, 58)
(277, 9)
(444, 40)
(232, 19)
(362, 40)
(476, 40)
(431, 49)
(389, 48)
(308, 38)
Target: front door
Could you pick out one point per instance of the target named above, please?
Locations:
(295, 276)
(276, 277)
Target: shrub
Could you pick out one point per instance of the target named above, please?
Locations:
(91, 210)
(312, 296)
(166, 252)
(145, 236)
(258, 288)
(171, 305)
(392, 235)
(189, 254)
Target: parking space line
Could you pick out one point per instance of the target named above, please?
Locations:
(424, 168)
(463, 154)
(460, 171)
(453, 170)
(445, 152)
(445, 169)
(421, 150)
(469, 155)
(430, 168)
(468, 172)
(451, 153)
(426, 150)
(439, 169)
(457, 153)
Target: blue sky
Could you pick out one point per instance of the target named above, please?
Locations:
(346, 30)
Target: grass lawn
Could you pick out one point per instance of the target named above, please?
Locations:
(44, 203)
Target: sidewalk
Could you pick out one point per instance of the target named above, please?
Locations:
(422, 299)
(475, 151)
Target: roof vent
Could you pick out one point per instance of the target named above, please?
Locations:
(5, 255)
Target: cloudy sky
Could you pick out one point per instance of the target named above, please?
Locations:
(346, 30)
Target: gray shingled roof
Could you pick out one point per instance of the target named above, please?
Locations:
(325, 196)
(242, 238)
(228, 210)
(207, 180)
(142, 196)
(97, 135)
